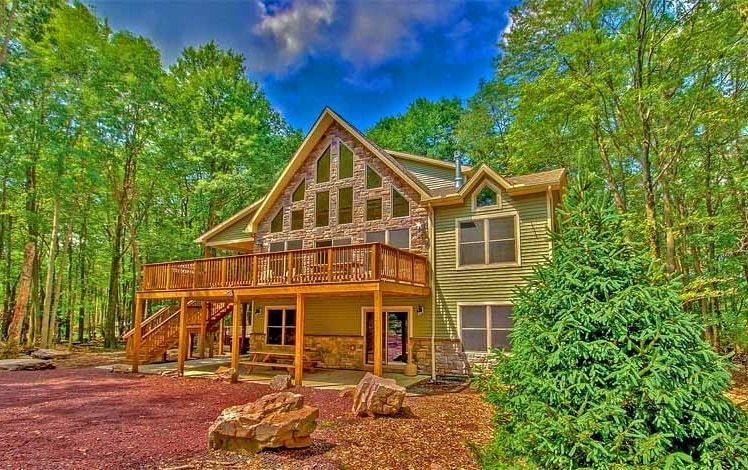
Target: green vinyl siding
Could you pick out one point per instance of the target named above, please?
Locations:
(434, 177)
(341, 316)
(234, 231)
(489, 284)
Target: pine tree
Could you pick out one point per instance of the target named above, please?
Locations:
(607, 369)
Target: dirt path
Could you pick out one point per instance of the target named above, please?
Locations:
(90, 418)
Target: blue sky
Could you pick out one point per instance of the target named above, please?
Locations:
(366, 59)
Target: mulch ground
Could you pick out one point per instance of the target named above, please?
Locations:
(91, 418)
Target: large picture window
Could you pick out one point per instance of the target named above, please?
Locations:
(399, 238)
(276, 225)
(323, 167)
(400, 206)
(345, 205)
(487, 241)
(345, 162)
(322, 209)
(484, 327)
(281, 326)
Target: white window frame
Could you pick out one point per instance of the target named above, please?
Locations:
(517, 241)
(283, 323)
(487, 306)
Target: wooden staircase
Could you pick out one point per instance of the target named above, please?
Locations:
(160, 331)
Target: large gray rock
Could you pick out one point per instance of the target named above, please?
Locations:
(377, 396)
(25, 364)
(281, 382)
(276, 420)
(49, 354)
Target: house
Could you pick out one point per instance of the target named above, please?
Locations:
(366, 258)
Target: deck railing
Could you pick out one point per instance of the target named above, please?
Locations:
(340, 264)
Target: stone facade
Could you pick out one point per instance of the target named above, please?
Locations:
(334, 137)
(450, 359)
(338, 352)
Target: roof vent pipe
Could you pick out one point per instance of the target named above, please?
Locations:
(459, 179)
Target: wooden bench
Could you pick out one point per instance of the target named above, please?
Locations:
(275, 359)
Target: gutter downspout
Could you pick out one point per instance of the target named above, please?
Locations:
(432, 256)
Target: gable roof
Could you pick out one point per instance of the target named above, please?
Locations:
(325, 119)
(231, 231)
(517, 185)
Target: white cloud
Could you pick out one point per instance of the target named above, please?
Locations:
(291, 34)
(362, 33)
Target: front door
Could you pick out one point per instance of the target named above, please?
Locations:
(395, 341)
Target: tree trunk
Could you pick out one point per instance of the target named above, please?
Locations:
(19, 313)
(47, 313)
(110, 317)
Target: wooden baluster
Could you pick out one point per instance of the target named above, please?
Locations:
(168, 276)
(374, 262)
(397, 266)
(254, 259)
(329, 265)
(289, 268)
(224, 273)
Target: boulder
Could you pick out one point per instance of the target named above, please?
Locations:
(276, 420)
(347, 392)
(25, 364)
(121, 369)
(281, 382)
(225, 374)
(377, 396)
(48, 354)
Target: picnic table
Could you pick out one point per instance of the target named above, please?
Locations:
(275, 359)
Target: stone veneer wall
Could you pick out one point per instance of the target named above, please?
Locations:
(347, 352)
(450, 359)
(356, 231)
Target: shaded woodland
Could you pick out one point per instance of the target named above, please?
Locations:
(111, 160)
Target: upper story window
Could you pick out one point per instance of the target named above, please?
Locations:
(400, 206)
(276, 225)
(487, 241)
(299, 192)
(373, 180)
(322, 209)
(374, 209)
(399, 238)
(284, 246)
(297, 219)
(345, 162)
(487, 197)
(323, 167)
(345, 205)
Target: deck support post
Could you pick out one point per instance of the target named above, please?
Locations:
(221, 339)
(137, 336)
(203, 330)
(299, 349)
(378, 333)
(235, 346)
(211, 341)
(182, 355)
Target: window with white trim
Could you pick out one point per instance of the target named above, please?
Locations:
(281, 326)
(484, 327)
(487, 197)
(487, 241)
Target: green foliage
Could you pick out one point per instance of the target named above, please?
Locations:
(427, 128)
(607, 370)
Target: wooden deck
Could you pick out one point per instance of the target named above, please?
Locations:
(366, 263)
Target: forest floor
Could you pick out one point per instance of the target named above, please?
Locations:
(92, 418)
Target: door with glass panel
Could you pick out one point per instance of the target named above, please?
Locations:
(395, 340)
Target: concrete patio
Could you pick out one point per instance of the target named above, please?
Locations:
(334, 379)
